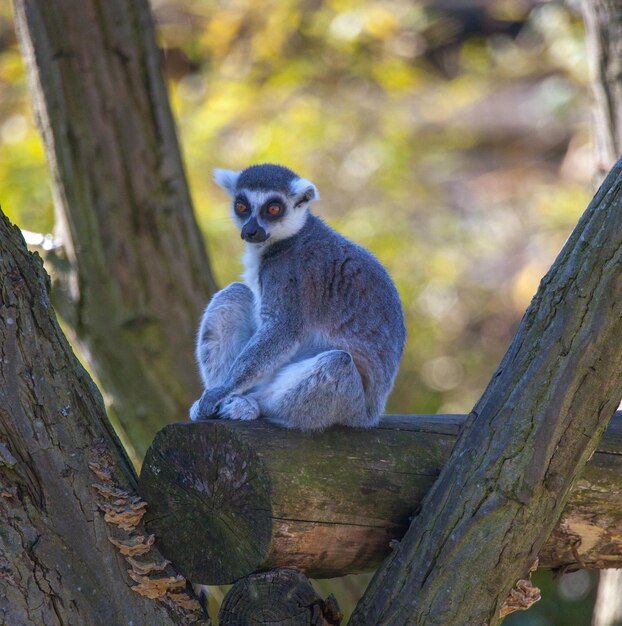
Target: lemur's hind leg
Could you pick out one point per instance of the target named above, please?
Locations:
(314, 393)
(227, 325)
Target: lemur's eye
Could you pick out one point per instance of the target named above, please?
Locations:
(240, 207)
(274, 210)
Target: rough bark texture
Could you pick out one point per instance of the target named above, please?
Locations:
(331, 504)
(498, 498)
(135, 276)
(603, 26)
(282, 597)
(61, 468)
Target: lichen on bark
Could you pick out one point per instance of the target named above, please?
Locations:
(57, 565)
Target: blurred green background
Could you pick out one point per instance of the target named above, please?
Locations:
(449, 137)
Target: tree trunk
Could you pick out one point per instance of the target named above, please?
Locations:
(603, 25)
(498, 498)
(334, 503)
(134, 275)
(67, 489)
(603, 30)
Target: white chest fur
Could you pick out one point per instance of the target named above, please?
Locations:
(252, 261)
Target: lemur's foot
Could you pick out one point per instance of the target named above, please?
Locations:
(237, 407)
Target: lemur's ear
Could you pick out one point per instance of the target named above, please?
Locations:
(304, 191)
(227, 179)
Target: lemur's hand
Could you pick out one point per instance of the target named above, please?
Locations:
(208, 404)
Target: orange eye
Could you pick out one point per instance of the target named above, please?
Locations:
(274, 210)
(240, 207)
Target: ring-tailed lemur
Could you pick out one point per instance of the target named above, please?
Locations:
(315, 335)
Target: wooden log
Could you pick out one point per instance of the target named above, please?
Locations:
(279, 597)
(227, 498)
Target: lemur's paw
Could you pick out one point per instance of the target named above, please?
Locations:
(237, 407)
(208, 404)
(195, 411)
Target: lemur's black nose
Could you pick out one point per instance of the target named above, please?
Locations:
(253, 232)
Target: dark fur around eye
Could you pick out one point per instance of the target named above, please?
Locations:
(272, 202)
(241, 205)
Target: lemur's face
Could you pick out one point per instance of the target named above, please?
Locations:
(264, 215)
(269, 202)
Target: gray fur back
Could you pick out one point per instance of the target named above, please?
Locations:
(347, 301)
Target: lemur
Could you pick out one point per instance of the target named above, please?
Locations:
(314, 335)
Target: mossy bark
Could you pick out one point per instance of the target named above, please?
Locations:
(486, 518)
(132, 276)
(227, 498)
(61, 467)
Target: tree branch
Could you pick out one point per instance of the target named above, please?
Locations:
(134, 276)
(498, 498)
(71, 519)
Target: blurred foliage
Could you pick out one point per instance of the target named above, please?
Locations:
(457, 156)
(451, 138)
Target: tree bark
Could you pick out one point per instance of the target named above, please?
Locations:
(134, 275)
(498, 498)
(67, 489)
(334, 503)
(603, 30)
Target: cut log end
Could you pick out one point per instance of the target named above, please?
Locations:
(280, 597)
(222, 500)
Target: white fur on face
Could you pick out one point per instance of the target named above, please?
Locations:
(290, 224)
(293, 220)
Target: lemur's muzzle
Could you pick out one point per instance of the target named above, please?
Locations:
(253, 232)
